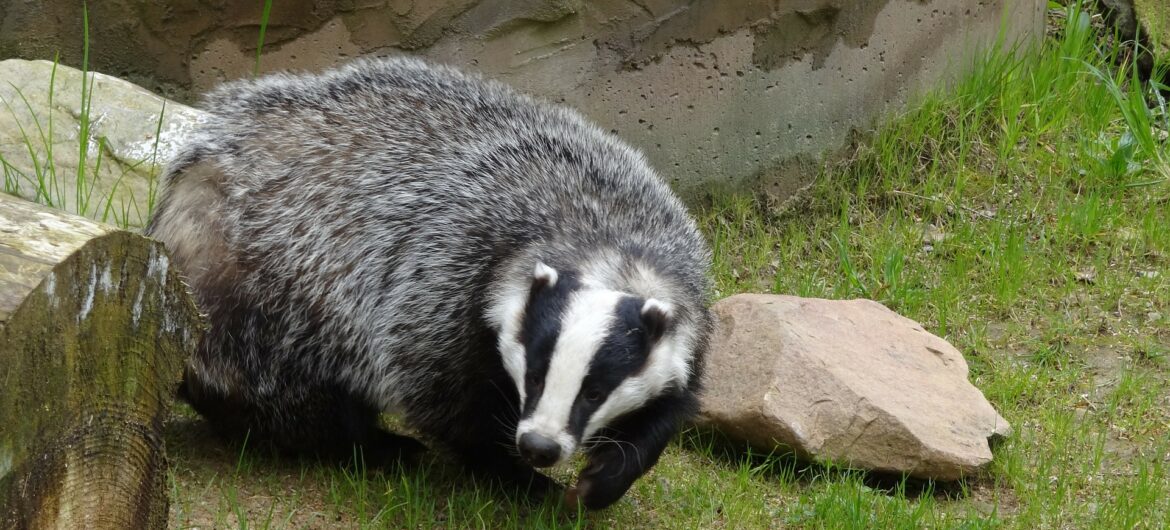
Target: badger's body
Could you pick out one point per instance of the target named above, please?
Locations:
(395, 236)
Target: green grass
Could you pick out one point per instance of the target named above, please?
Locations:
(1023, 214)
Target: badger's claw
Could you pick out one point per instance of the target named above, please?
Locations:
(601, 483)
(573, 500)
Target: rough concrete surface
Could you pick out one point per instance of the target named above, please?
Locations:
(845, 381)
(717, 92)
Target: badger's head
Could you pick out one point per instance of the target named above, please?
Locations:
(582, 355)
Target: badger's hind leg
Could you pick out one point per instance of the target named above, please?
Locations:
(317, 420)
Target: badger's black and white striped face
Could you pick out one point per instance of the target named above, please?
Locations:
(582, 355)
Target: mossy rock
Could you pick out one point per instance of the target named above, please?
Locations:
(1155, 15)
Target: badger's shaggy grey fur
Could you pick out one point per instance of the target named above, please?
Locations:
(362, 241)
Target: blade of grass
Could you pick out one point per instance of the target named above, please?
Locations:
(260, 39)
(81, 195)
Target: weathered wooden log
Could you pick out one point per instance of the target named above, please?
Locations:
(94, 330)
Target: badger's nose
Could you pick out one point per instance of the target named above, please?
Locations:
(540, 451)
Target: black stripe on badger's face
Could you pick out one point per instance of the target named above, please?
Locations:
(547, 303)
(621, 354)
(581, 346)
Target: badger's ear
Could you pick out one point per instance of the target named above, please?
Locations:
(657, 316)
(543, 276)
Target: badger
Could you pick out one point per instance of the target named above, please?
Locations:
(396, 236)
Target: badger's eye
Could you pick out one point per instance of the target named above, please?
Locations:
(534, 380)
(594, 395)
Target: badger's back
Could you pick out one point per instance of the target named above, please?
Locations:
(351, 225)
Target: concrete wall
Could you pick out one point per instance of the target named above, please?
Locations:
(716, 92)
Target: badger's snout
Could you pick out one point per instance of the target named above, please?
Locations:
(538, 450)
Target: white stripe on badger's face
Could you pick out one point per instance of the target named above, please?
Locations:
(584, 326)
(509, 320)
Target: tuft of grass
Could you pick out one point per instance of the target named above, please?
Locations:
(92, 195)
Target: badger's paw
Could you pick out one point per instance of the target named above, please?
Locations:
(599, 485)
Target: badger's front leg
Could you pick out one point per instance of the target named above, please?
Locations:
(631, 447)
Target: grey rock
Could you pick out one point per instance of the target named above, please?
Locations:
(41, 139)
